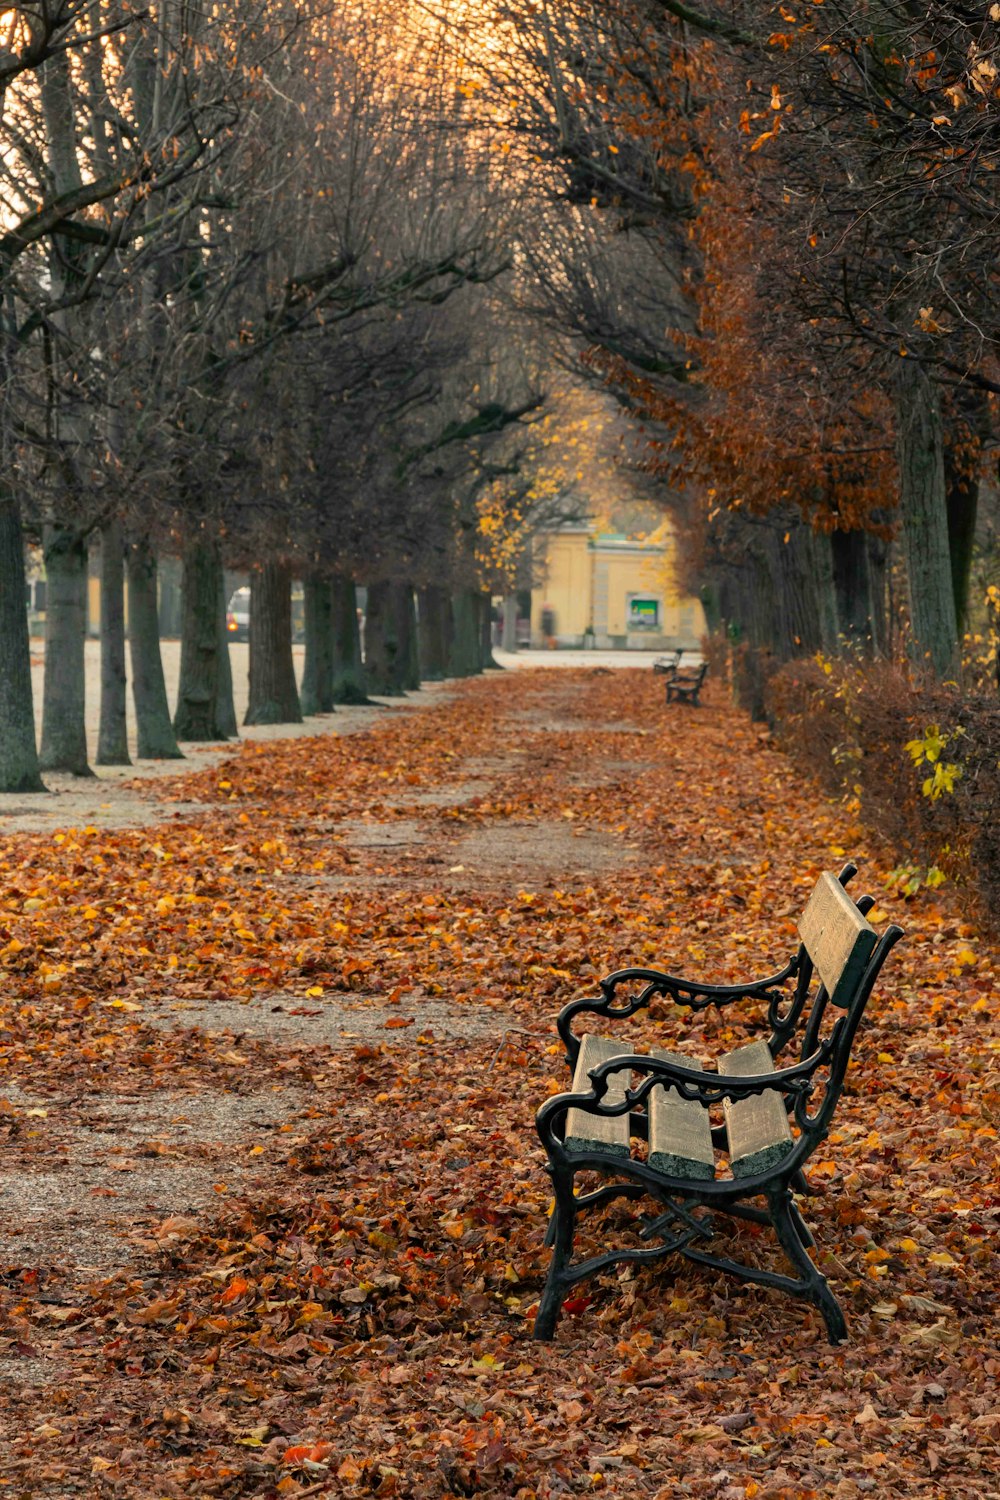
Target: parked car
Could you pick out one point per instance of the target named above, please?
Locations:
(238, 616)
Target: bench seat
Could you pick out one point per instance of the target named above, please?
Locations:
(680, 1131)
(758, 1130)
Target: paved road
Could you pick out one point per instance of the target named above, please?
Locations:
(517, 659)
(239, 653)
(240, 656)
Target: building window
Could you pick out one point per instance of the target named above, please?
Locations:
(643, 612)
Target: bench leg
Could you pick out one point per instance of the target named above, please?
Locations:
(816, 1288)
(561, 1227)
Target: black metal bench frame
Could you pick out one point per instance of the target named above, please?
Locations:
(668, 665)
(679, 1226)
(687, 684)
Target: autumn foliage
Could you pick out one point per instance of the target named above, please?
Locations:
(339, 961)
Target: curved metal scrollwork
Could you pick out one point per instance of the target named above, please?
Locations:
(654, 983)
(795, 1083)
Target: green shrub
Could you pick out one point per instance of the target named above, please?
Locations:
(918, 763)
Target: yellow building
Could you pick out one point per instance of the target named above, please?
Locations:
(611, 590)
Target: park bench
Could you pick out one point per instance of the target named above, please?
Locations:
(653, 1123)
(667, 665)
(686, 684)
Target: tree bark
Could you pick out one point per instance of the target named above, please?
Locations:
(350, 683)
(435, 632)
(827, 618)
(197, 714)
(391, 639)
(155, 733)
(112, 739)
(170, 602)
(274, 698)
(406, 608)
(969, 425)
(64, 735)
(510, 622)
(465, 642)
(486, 634)
(18, 754)
(317, 673)
(924, 515)
(225, 707)
(852, 581)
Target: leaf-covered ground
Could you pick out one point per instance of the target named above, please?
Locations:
(272, 1199)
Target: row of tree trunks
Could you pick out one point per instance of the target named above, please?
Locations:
(454, 638)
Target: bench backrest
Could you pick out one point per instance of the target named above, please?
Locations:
(839, 960)
(837, 939)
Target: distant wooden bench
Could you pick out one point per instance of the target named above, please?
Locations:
(667, 665)
(645, 1121)
(687, 684)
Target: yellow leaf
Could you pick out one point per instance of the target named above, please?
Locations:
(254, 1437)
(488, 1362)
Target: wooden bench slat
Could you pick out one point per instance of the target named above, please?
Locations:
(837, 938)
(584, 1132)
(680, 1131)
(758, 1129)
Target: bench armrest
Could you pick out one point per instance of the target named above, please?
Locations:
(795, 1082)
(647, 984)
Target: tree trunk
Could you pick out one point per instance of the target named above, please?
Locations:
(509, 640)
(390, 639)
(197, 714)
(64, 735)
(18, 755)
(852, 581)
(156, 738)
(924, 516)
(486, 634)
(435, 633)
(827, 620)
(171, 604)
(274, 698)
(112, 739)
(969, 431)
(317, 673)
(350, 684)
(963, 506)
(225, 707)
(406, 607)
(465, 642)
